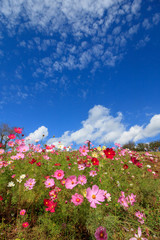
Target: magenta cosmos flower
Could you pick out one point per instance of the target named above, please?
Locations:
(95, 195)
(22, 212)
(30, 183)
(59, 174)
(77, 199)
(101, 233)
(25, 224)
(49, 182)
(71, 182)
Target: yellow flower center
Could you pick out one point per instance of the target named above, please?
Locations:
(101, 234)
(93, 196)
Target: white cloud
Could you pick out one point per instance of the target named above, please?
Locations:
(39, 134)
(156, 18)
(136, 5)
(137, 133)
(87, 23)
(146, 24)
(103, 128)
(143, 42)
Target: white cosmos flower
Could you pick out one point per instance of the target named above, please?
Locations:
(22, 176)
(148, 166)
(19, 180)
(11, 184)
(61, 146)
(108, 199)
(118, 183)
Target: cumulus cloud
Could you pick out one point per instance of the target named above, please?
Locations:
(39, 134)
(103, 128)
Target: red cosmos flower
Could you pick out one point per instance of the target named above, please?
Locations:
(125, 166)
(50, 204)
(67, 158)
(109, 153)
(88, 165)
(134, 160)
(46, 202)
(18, 130)
(69, 164)
(49, 147)
(39, 164)
(25, 224)
(33, 161)
(139, 164)
(149, 170)
(57, 164)
(11, 136)
(1, 145)
(95, 161)
(1, 198)
(63, 181)
(46, 177)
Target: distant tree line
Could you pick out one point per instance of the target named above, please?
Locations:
(152, 146)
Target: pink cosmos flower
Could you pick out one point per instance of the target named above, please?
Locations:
(18, 141)
(20, 155)
(82, 179)
(71, 182)
(30, 183)
(14, 157)
(49, 182)
(46, 157)
(140, 216)
(22, 212)
(81, 166)
(92, 173)
(59, 174)
(1, 151)
(138, 237)
(107, 195)
(22, 148)
(95, 195)
(77, 199)
(101, 233)
(83, 150)
(122, 200)
(11, 143)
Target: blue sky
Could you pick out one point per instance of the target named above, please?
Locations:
(81, 70)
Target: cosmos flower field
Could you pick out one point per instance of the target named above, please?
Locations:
(60, 193)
